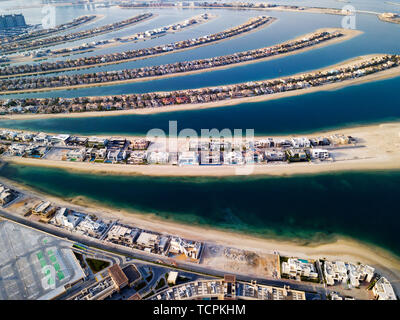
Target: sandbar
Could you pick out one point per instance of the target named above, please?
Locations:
(378, 149)
(348, 34)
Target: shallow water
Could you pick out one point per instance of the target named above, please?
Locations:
(363, 206)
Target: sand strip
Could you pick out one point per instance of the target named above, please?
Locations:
(380, 151)
(348, 34)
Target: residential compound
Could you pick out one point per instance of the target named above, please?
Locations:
(116, 233)
(331, 272)
(91, 226)
(47, 31)
(29, 44)
(73, 148)
(369, 66)
(168, 69)
(139, 36)
(171, 249)
(347, 273)
(145, 151)
(227, 289)
(154, 242)
(250, 25)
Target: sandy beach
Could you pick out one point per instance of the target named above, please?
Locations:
(386, 74)
(144, 57)
(395, 20)
(337, 248)
(379, 149)
(81, 38)
(19, 59)
(348, 34)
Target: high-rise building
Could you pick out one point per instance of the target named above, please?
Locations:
(10, 21)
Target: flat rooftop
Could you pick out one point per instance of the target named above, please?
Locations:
(131, 273)
(118, 275)
(34, 265)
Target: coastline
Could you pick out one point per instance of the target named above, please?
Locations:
(386, 74)
(337, 248)
(142, 57)
(348, 34)
(18, 59)
(322, 10)
(82, 38)
(380, 151)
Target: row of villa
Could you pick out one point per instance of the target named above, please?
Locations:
(250, 25)
(227, 289)
(338, 273)
(201, 96)
(139, 36)
(48, 31)
(168, 69)
(137, 151)
(111, 232)
(174, 248)
(45, 42)
(219, 5)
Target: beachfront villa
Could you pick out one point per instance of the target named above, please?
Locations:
(383, 290)
(188, 158)
(158, 157)
(347, 273)
(299, 268)
(104, 83)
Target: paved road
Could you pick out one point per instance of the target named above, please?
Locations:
(152, 258)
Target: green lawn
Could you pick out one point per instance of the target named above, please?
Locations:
(97, 265)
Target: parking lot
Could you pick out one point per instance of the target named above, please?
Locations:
(34, 265)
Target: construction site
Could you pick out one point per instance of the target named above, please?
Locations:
(241, 261)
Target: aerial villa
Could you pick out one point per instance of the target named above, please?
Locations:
(47, 31)
(174, 248)
(206, 95)
(168, 69)
(251, 24)
(149, 34)
(50, 41)
(141, 151)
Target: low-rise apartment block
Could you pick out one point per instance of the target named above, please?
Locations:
(299, 268)
(341, 272)
(383, 290)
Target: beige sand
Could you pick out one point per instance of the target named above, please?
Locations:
(340, 248)
(88, 36)
(144, 57)
(390, 20)
(348, 34)
(386, 74)
(380, 151)
(20, 59)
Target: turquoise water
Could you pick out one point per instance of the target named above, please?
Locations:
(378, 37)
(355, 105)
(308, 208)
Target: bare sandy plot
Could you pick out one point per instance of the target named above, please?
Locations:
(241, 261)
